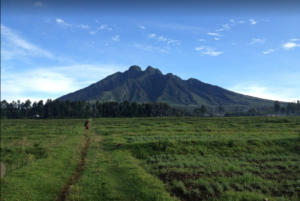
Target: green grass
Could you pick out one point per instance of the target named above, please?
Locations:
(247, 158)
(42, 177)
(115, 175)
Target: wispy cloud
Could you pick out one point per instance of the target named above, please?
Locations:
(97, 21)
(202, 40)
(257, 41)
(182, 27)
(294, 39)
(208, 51)
(285, 46)
(214, 34)
(61, 22)
(164, 39)
(241, 22)
(116, 38)
(83, 26)
(269, 51)
(161, 38)
(64, 24)
(226, 27)
(217, 38)
(52, 82)
(271, 93)
(38, 3)
(13, 46)
(150, 48)
(252, 21)
(151, 35)
(142, 27)
(103, 26)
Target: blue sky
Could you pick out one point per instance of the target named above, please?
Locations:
(51, 48)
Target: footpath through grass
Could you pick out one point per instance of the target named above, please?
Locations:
(114, 174)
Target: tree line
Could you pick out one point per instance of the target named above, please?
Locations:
(292, 108)
(85, 109)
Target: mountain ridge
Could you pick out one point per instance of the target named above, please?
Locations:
(151, 85)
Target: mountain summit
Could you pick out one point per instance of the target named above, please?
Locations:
(152, 86)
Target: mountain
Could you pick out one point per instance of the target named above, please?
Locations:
(152, 86)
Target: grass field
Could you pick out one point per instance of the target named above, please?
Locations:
(247, 158)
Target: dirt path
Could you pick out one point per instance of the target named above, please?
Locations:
(65, 189)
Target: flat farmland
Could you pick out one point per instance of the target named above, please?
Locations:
(245, 158)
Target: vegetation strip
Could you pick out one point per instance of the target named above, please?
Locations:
(65, 189)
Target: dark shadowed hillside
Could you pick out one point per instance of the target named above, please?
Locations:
(152, 86)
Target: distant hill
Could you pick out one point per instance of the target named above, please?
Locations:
(152, 86)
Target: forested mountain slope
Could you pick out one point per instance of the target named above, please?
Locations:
(152, 86)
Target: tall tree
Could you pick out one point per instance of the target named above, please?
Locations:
(203, 109)
(276, 106)
(41, 108)
(283, 110)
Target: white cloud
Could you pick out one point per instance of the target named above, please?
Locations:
(103, 26)
(289, 45)
(179, 26)
(294, 39)
(208, 51)
(142, 27)
(213, 34)
(173, 42)
(13, 46)
(226, 27)
(269, 51)
(116, 38)
(217, 38)
(97, 21)
(150, 48)
(266, 92)
(52, 82)
(164, 39)
(202, 40)
(241, 22)
(257, 41)
(61, 22)
(285, 46)
(252, 21)
(151, 35)
(199, 48)
(161, 38)
(38, 3)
